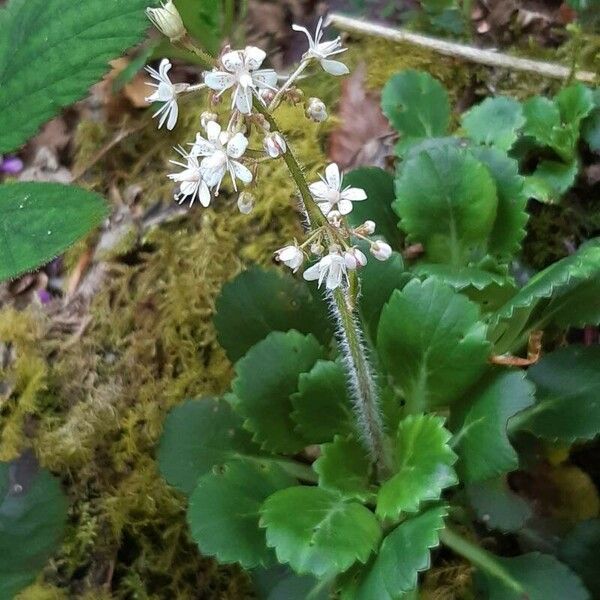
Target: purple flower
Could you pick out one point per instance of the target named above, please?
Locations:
(11, 165)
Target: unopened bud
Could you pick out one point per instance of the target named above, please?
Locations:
(267, 95)
(206, 117)
(368, 227)
(274, 145)
(245, 202)
(354, 258)
(317, 248)
(291, 256)
(380, 250)
(335, 218)
(167, 20)
(316, 110)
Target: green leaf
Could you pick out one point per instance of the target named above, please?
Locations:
(539, 577)
(497, 506)
(321, 404)
(317, 531)
(52, 52)
(265, 379)
(446, 200)
(281, 583)
(580, 550)
(575, 103)
(344, 467)
(431, 343)
(379, 187)
(590, 130)
(551, 179)
(460, 278)
(259, 301)
(494, 122)
(416, 104)
(423, 466)
(511, 216)
(203, 20)
(225, 508)
(482, 442)
(38, 221)
(197, 436)
(403, 554)
(33, 515)
(568, 394)
(543, 124)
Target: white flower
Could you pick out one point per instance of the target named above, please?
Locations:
(331, 269)
(165, 92)
(206, 116)
(368, 227)
(274, 144)
(380, 250)
(192, 184)
(354, 258)
(335, 218)
(245, 203)
(316, 110)
(321, 51)
(242, 71)
(329, 193)
(291, 256)
(167, 20)
(221, 151)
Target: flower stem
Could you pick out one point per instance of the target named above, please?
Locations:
(287, 84)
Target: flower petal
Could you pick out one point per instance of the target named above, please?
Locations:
(202, 147)
(163, 70)
(326, 207)
(334, 67)
(332, 174)
(319, 189)
(233, 61)
(265, 78)
(354, 194)
(254, 57)
(219, 80)
(213, 131)
(312, 273)
(241, 172)
(243, 100)
(237, 145)
(204, 194)
(344, 206)
(173, 112)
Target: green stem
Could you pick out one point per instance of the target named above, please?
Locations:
(204, 58)
(480, 558)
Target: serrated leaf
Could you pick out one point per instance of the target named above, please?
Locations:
(379, 187)
(33, 515)
(317, 531)
(482, 442)
(580, 550)
(259, 301)
(344, 467)
(197, 436)
(416, 104)
(52, 52)
(225, 508)
(38, 221)
(403, 554)
(497, 506)
(538, 576)
(431, 342)
(423, 466)
(551, 179)
(321, 404)
(568, 395)
(265, 379)
(494, 122)
(460, 278)
(543, 124)
(511, 215)
(446, 200)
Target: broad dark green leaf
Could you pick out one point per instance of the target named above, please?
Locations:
(265, 379)
(422, 466)
(482, 442)
(33, 515)
(431, 342)
(446, 199)
(203, 20)
(543, 124)
(551, 179)
(225, 508)
(259, 301)
(281, 583)
(460, 278)
(199, 435)
(38, 221)
(317, 531)
(580, 550)
(51, 52)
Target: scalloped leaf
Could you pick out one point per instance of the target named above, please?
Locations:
(551, 179)
(321, 405)
(568, 394)
(317, 531)
(423, 466)
(259, 301)
(225, 507)
(446, 199)
(265, 379)
(52, 52)
(38, 221)
(204, 432)
(482, 442)
(404, 553)
(543, 124)
(494, 122)
(344, 467)
(33, 516)
(416, 105)
(533, 576)
(431, 342)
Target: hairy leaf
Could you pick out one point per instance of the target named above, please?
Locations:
(38, 221)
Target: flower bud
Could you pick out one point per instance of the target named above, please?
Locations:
(380, 250)
(291, 256)
(317, 248)
(354, 258)
(368, 227)
(316, 110)
(206, 117)
(335, 218)
(245, 202)
(167, 20)
(267, 95)
(274, 144)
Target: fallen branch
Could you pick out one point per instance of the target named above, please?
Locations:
(477, 55)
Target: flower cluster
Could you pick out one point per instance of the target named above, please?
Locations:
(217, 152)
